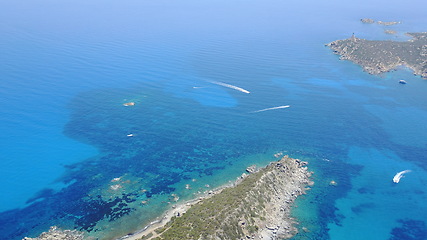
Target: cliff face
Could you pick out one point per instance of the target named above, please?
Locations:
(257, 207)
(382, 56)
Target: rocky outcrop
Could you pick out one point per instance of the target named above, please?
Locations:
(251, 169)
(388, 23)
(367, 20)
(382, 56)
(371, 21)
(56, 233)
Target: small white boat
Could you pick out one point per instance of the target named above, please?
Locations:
(399, 175)
(402, 81)
(130, 135)
(272, 108)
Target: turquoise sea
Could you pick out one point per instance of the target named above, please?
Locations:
(72, 155)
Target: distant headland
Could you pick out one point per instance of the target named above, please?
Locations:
(383, 56)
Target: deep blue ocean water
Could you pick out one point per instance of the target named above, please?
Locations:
(67, 68)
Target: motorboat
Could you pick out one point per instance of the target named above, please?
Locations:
(399, 175)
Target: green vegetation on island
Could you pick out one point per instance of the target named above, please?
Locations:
(382, 56)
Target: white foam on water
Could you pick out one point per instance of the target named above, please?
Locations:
(272, 108)
(230, 86)
(399, 175)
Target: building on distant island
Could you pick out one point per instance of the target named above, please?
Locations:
(353, 38)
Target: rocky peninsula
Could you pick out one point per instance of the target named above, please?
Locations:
(383, 56)
(257, 206)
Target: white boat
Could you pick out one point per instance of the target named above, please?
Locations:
(399, 175)
(272, 108)
(230, 86)
(402, 81)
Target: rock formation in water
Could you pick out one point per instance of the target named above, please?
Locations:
(56, 233)
(367, 20)
(388, 23)
(371, 21)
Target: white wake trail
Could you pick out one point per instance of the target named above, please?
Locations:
(230, 86)
(399, 175)
(272, 108)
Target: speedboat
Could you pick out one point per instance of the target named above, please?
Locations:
(402, 81)
(399, 175)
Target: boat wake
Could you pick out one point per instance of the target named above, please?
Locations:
(399, 175)
(272, 108)
(230, 86)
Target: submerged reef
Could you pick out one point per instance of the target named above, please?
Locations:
(382, 56)
(174, 140)
(257, 207)
(410, 229)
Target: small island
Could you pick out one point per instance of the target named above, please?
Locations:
(56, 233)
(367, 20)
(383, 56)
(371, 21)
(388, 23)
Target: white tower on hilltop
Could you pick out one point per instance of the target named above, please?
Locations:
(353, 38)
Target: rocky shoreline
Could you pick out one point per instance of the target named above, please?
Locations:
(377, 57)
(56, 233)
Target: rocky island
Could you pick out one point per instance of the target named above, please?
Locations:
(371, 21)
(388, 23)
(382, 56)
